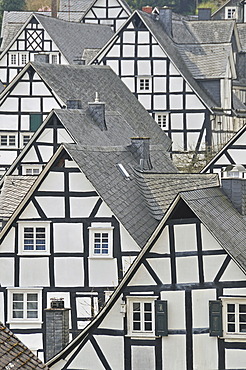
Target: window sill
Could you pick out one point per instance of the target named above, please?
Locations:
(141, 336)
(34, 253)
(25, 322)
(236, 338)
(101, 257)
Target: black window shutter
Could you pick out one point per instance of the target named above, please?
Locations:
(161, 327)
(35, 121)
(215, 318)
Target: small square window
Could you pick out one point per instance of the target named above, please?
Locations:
(54, 59)
(13, 59)
(34, 238)
(162, 120)
(101, 241)
(7, 140)
(32, 171)
(24, 305)
(144, 84)
(234, 313)
(231, 12)
(23, 59)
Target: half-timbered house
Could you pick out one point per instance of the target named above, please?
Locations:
(182, 303)
(50, 40)
(40, 87)
(182, 72)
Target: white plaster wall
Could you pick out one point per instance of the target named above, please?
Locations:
(7, 271)
(162, 268)
(157, 51)
(104, 211)
(46, 152)
(54, 181)
(129, 37)
(68, 238)
(176, 309)
(160, 67)
(110, 346)
(9, 122)
(178, 141)
(2, 307)
(87, 358)
(34, 272)
(79, 182)
(52, 206)
(205, 352)
(127, 242)
(7, 156)
(235, 358)
(127, 67)
(82, 207)
(144, 67)
(83, 305)
(30, 105)
(187, 270)
(185, 238)
(114, 64)
(49, 104)
(29, 212)
(192, 102)
(127, 262)
(177, 120)
(69, 271)
(143, 51)
(200, 304)
(9, 105)
(142, 277)
(208, 241)
(47, 136)
(8, 243)
(160, 102)
(176, 101)
(25, 124)
(32, 341)
(63, 136)
(233, 273)
(212, 265)
(192, 139)
(174, 352)
(145, 100)
(194, 121)
(176, 84)
(236, 155)
(103, 272)
(143, 357)
(159, 84)
(114, 51)
(162, 244)
(114, 319)
(128, 51)
(22, 88)
(143, 37)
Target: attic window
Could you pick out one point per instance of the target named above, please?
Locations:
(123, 171)
(230, 12)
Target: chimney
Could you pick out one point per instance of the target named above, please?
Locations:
(54, 8)
(233, 183)
(147, 9)
(57, 327)
(165, 17)
(79, 61)
(41, 58)
(74, 104)
(140, 149)
(204, 14)
(97, 112)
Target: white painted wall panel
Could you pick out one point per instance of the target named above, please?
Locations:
(129, 37)
(127, 262)
(174, 350)
(110, 346)
(7, 156)
(237, 155)
(100, 13)
(208, 241)
(143, 357)
(162, 244)
(145, 100)
(176, 306)
(143, 51)
(205, 350)
(194, 121)
(84, 307)
(54, 181)
(176, 84)
(192, 138)
(162, 268)
(32, 341)
(192, 102)
(159, 84)
(25, 122)
(235, 291)
(82, 207)
(142, 277)
(86, 359)
(2, 307)
(235, 358)
(160, 67)
(129, 82)
(9, 105)
(157, 51)
(49, 104)
(69, 271)
(7, 272)
(114, 51)
(47, 136)
(241, 140)
(177, 121)
(127, 67)
(211, 266)
(233, 273)
(173, 70)
(176, 101)
(34, 271)
(79, 182)
(160, 102)
(52, 206)
(30, 105)
(143, 37)
(46, 152)
(200, 314)
(68, 238)
(22, 88)
(8, 243)
(30, 211)
(114, 320)
(114, 64)
(104, 211)
(178, 141)
(185, 238)
(9, 122)
(103, 272)
(63, 136)
(187, 270)
(128, 51)
(127, 242)
(144, 67)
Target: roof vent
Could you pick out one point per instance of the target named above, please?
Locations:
(57, 303)
(97, 112)
(123, 171)
(140, 149)
(74, 104)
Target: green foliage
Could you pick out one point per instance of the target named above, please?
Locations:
(210, 4)
(12, 5)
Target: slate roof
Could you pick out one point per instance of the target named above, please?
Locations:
(12, 193)
(82, 82)
(160, 190)
(122, 196)
(14, 354)
(242, 35)
(219, 216)
(208, 32)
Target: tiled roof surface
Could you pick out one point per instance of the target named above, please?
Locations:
(219, 216)
(160, 190)
(82, 82)
(14, 354)
(208, 32)
(75, 5)
(13, 191)
(122, 196)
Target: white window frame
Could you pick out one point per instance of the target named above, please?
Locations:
(31, 169)
(20, 58)
(159, 118)
(231, 12)
(144, 84)
(235, 301)
(100, 228)
(51, 58)
(130, 304)
(13, 55)
(23, 134)
(8, 134)
(34, 224)
(25, 292)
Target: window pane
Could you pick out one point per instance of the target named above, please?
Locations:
(242, 328)
(18, 305)
(231, 308)
(147, 307)
(136, 306)
(148, 326)
(32, 297)
(4, 140)
(242, 308)
(18, 314)
(242, 318)
(136, 325)
(32, 314)
(136, 316)
(231, 327)
(148, 316)
(17, 297)
(231, 317)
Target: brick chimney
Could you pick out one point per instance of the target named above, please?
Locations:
(204, 14)
(165, 17)
(234, 186)
(147, 9)
(97, 112)
(140, 149)
(54, 8)
(57, 327)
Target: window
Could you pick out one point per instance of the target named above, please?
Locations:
(162, 120)
(34, 237)
(144, 84)
(25, 137)
(31, 170)
(23, 59)
(54, 59)
(147, 316)
(101, 240)
(230, 12)
(13, 59)
(24, 304)
(7, 140)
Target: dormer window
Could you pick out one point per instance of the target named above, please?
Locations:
(101, 240)
(230, 12)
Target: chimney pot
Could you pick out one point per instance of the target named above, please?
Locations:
(97, 112)
(54, 8)
(147, 9)
(140, 149)
(233, 183)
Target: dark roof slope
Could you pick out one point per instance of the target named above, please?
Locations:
(82, 82)
(14, 354)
